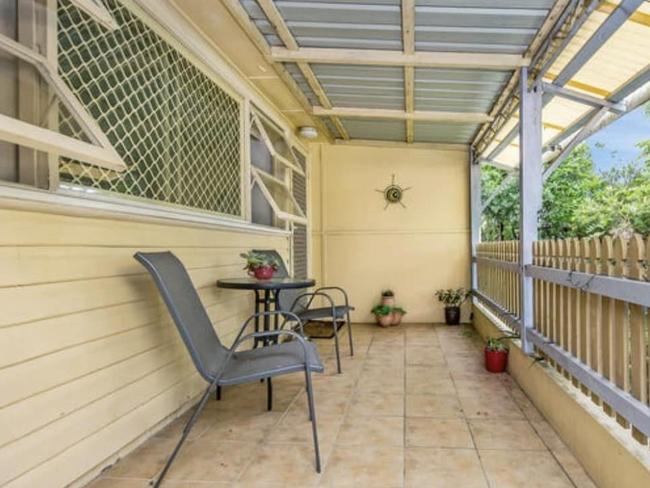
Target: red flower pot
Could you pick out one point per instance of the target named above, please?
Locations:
(496, 361)
(264, 272)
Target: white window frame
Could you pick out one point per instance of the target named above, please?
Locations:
(258, 179)
(101, 153)
(256, 120)
(96, 10)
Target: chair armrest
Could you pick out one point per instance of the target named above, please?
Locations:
(337, 288)
(281, 313)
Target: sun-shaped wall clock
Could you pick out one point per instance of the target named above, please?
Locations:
(393, 193)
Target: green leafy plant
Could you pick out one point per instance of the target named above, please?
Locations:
(496, 344)
(399, 310)
(387, 293)
(255, 260)
(382, 310)
(452, 297)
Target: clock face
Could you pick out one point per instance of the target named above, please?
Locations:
(393, 193)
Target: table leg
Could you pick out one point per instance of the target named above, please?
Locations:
(257, 319)
(267, 327)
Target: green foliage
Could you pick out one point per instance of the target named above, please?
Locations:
(399, 310)
(255, 260)
(382, 310)
(578, 201)
(452, 297)
(497, 344)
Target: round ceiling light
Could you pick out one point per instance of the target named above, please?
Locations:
(308, 132)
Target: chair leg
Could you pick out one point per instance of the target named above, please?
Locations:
(218, 393)
(186, 432)
(349, 324)
(269, 394)
(336, 346)
(312, 417)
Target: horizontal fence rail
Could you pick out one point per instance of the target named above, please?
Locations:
(591, 300)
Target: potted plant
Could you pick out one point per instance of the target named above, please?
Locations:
(452, 299)
(383, 315)
(259, 265)
(496, 355)
(398, 313)
(388, 298)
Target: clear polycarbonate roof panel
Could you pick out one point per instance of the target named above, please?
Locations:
(444, 132)
(458, 90)
(463, 25)
(373, 129)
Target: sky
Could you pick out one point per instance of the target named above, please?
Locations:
(620, 139)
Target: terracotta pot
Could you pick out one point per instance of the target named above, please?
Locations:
(263, 272)
(496, 361)
(397, 318)
(385, 320)
(388, 301)
(452, 315)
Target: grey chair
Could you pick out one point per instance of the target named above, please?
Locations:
(220, 365)
(299, 303)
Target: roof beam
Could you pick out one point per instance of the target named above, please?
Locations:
(285, 35)
(421, 116)
(408, 42)
(375, 57)
(606, 30)
(583, 98)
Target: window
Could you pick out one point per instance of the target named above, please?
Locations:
(271, 174)
(177, 130)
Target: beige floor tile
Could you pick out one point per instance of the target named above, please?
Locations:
(146, 461)
(509, 469)
(445, 406)
(548, 435)
(490, 407)
(376, 467)
(425, 380)
(297, 429)
(118, 483)
(443, 468)
(374, 381)
(210, 459)
(505, 434)
(374, 431)
(573, 468)
(424, 356)
(242, 426)
(376, 404)
(288, 465)
(435, 432)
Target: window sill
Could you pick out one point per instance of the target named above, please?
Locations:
(80, 203)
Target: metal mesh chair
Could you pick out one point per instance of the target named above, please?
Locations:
(299, 303)
(217, 364)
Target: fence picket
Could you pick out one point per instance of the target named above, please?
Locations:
(595, 314)
(621, 325)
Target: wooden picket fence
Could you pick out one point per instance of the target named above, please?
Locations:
(608, 335)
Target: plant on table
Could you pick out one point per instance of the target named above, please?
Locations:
(260, 266)
(452, 299)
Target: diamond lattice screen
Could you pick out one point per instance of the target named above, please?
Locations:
(176, 129)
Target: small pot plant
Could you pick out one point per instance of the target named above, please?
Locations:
(398, 313)
(383, 314)
(496, 354)
(388, 298)
(259, 265)
(452, 299)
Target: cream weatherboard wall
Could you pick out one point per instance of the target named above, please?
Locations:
(413, 250)
(89, 361)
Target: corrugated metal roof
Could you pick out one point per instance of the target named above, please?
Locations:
(478, 26)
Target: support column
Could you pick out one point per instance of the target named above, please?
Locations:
(530, 193)
(475, 211)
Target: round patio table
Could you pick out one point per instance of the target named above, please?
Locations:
(267, 293)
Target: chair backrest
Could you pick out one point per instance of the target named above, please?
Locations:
(287, 297)
(187, 311)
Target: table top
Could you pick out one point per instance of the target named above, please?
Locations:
(272, 284)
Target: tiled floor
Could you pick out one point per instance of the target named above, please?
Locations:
(413, 408)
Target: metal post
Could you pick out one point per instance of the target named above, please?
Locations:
(475, 209)
(530, 192)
